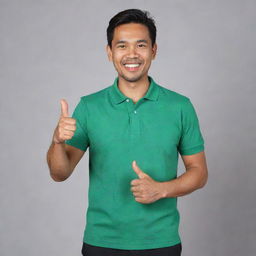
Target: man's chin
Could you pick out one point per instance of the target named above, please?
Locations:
(132, 79)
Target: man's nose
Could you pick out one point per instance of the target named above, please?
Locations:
(133, 51)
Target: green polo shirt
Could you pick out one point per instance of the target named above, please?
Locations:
(153, 131)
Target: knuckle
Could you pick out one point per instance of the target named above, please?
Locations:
(61, 137)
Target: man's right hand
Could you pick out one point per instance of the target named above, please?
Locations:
(66, 126)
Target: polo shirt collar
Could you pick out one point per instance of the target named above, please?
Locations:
(117, 96)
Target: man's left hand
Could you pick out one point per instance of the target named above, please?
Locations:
(145, 189)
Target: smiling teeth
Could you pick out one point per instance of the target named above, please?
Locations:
(132, 65)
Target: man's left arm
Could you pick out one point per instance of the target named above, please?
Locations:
(195, 177)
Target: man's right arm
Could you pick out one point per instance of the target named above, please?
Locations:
(62, 158)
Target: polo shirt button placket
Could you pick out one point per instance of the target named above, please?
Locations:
(134, 121)
(135, 127)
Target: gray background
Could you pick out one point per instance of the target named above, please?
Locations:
(56, 49)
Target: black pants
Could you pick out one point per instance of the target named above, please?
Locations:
(91, 250)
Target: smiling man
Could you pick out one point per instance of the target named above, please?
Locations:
(135, 130)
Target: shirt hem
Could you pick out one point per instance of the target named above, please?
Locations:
(126, 245)
(193, 150)
(75, 145)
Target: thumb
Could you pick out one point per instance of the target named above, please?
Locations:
(64, 108)
(139, 172)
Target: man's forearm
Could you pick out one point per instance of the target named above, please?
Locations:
(58, 162)
(183, 185)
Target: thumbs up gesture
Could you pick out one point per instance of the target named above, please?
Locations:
(145, 189)
(66, 126)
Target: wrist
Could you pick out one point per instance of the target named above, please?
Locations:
(54, 141)
(163, 192)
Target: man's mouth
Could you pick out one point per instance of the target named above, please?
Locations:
(132, 66)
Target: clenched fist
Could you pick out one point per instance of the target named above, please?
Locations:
(66, 126)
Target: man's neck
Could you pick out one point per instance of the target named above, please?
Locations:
(134, 90)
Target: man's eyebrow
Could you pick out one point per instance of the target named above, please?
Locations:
(120, 42)
(142, 41)
(138, 41)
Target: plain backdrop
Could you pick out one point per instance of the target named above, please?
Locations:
(56, 49)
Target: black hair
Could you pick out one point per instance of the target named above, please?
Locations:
(132, 16)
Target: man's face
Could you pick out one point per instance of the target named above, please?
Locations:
(132, 51)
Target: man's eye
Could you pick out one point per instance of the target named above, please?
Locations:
(121, 46)
(142, 45)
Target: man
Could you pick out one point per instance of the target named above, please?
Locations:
(134, 129)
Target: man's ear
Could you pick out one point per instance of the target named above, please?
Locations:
(109, 52)
(154, 51)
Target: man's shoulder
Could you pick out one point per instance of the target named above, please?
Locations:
(173, 96)
(97, 96)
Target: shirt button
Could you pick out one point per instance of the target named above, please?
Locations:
(127, 100)
(135, 111)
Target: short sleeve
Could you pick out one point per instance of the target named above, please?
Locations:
(80, 139)
(191, 140)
